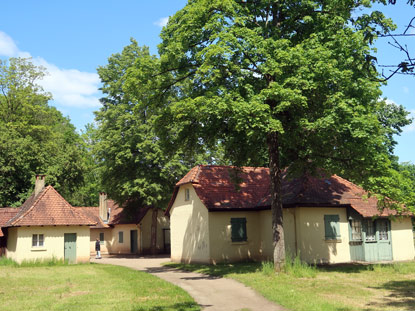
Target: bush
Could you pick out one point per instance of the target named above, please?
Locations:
(298, 268)
(33, 263)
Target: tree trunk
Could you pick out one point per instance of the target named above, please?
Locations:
(276, 201)
(154, 231)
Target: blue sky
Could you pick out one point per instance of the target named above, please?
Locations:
(72, 38)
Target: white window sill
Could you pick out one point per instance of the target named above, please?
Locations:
(338, 240)
(239, 243)
(39, 249)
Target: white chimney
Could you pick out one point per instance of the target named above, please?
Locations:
(103, 206)
(39, 184)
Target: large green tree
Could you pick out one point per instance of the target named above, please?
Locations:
(290, 79)
(134, 170)
(34, 137)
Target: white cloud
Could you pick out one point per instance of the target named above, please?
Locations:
(69, 87)
(162, 22)
(410, 127)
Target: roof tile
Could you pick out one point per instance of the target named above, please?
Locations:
(217, 189)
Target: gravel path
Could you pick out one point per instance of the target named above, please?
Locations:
(211, 293)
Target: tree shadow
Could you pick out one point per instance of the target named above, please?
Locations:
(219, 270)
(401, 296)
(183, 306)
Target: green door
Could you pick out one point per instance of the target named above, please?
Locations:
(70, 247)
(384, 239)
(133, 241)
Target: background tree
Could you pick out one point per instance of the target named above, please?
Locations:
(290, 79)
(134, 170)
(34, 137)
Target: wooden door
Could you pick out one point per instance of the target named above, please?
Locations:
(133, 242)
(70, 247)
(384, 239)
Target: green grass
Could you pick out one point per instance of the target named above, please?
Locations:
(58, 286)
(328, 288)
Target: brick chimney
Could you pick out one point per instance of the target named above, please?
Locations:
(103, 206)
(39, 184)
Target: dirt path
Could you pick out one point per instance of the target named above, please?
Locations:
(211, 293)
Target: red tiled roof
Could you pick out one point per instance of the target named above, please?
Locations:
(6, 213)
(118, 215)
(216, 189)
(48, 208)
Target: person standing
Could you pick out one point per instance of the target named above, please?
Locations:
(98, 248)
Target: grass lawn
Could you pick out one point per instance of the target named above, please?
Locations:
(349, 287)
(87, 287)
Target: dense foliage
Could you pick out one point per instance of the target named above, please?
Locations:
(134, 169)
(35, 138)
(288, 82)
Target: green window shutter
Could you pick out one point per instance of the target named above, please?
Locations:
(120, 237)
(331, 227)
(101, 238)
(238, 228)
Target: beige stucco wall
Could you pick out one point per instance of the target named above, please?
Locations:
(189, 223)
(222, 249)
(265, 225)
(402, 239)
(111, 244)
(311, 243)
(19, 245)
(162, 223)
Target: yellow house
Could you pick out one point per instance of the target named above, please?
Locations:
(326, 220)
(46, 226)
(123, 232)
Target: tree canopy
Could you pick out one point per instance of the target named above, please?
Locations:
(34, 137)
(290, 83)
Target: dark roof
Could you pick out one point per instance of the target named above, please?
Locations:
(217, 190)
(118, 215)
(48, 208)
(6, 213)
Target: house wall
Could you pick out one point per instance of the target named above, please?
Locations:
(162, 223)
(19, 245)
(111, 244)
(222, 249)
(402, 239)
(189, 223)
(311, 243)
(265, 225)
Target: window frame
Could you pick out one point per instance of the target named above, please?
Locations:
(356, 227)
(38, 240)
(187, 194)
(239, 230)
(332, 232)
(101, 238)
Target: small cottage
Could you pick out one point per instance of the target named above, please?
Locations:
(46, 226)
(220, 215)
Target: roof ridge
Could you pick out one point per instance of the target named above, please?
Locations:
(37, 198)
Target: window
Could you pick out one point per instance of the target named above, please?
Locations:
(331, 227)
(187, 194)
(120, 237)
(370, 231)
(37, 240)
(356, 230)
(101, 237)
(383, 227)
(238, 229)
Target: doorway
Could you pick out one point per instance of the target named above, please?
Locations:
(70, 247)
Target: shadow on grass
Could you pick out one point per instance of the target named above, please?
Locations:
(219, 270)
(401, 296)
(184, 306)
